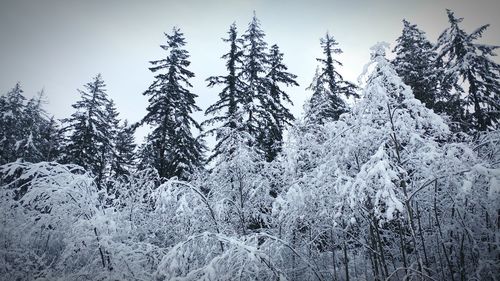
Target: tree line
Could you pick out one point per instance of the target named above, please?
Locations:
(402, 184)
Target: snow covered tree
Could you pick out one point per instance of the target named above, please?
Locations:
(123, 159)
(255, 95)
(415, 63)
(329, 87)
(38, 228)
(231, 97)
(468, 63)
(252, 97)
(11, 131)
(177, 152)
(388, 185)
(51, 141)
(32, 121)
(90, 136)
(280, 115)
(27, 132)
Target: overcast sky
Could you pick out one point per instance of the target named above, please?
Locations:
(61, 45)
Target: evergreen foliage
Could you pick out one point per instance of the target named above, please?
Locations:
(329, 88)
(177, 153)
(27, 133)
(386, 188)
(90, 130)
(415, 63)
(473, 76)
(231, 98)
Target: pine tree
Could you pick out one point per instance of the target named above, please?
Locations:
(280, 115)
(12, 105)
(90, 134)
(108, 151)
(329, 87)
(51, 140)
(231, 97)
(468, 63)
(32, 122)
(317, 105)
(124, 151)
(256, 96)
(146, 158)
(171, 104)
(27, 133)
(415, 63)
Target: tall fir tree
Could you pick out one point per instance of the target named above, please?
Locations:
(227, 109)
(108, 152)
(35, 119)
(415, 63)
(90, 130)
(329, 87)
(256, 96)
(274, 103)
(177, 152)
(468, 63)
(11, 130)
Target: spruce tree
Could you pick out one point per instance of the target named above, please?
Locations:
(415, 64)
(146, 158)
(17, 126)
(227, 109)
(329, 87)
(32, 122)
(51, 140)
(468, 63)
(108, 152)
(26, 131)
(124, 151)
(252, 97)
(280, 115)
(12, 105)
(256, 95)
(171, 103)
(90, 133)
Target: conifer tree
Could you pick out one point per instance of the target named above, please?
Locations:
(32, 122)
(124, 151)
(252, 95)
(146, 158)
(27, 133)
(415, 64)
(90, 134)
(11, 130)
(255, 67)
(177, 152)
(51, 140)
(108, 151)
(468, 63)
(329, 87)
(280, 115)
(231, 97)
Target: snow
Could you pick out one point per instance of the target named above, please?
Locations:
(387, 185)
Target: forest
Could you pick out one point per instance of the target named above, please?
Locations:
(395, 176)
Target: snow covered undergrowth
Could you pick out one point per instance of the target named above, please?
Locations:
(382, 194)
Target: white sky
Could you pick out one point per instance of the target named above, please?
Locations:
(61, 45)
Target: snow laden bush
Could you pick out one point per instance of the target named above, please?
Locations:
(41, 204)
(389, 193)
(56, 225)
(219, 216)
(384, 193)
